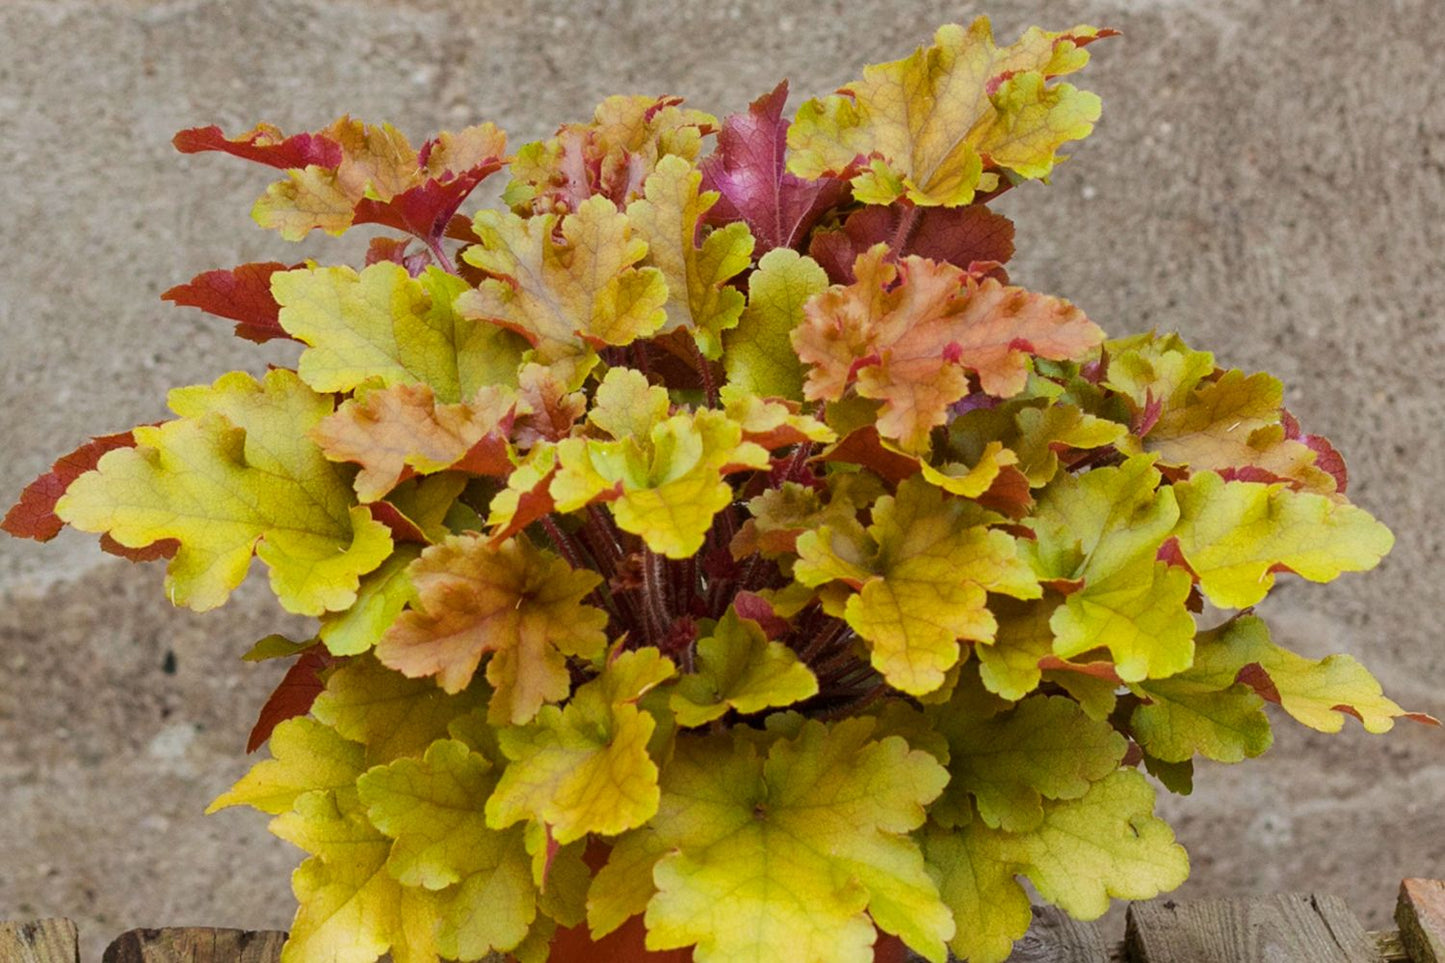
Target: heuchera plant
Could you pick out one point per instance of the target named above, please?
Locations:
(714, 542)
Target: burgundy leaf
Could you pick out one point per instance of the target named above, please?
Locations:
(973, 238)
(264, 145)
(749, 171)
(242, 295)
(293, 696)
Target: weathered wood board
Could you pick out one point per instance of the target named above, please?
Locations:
(1294, 928)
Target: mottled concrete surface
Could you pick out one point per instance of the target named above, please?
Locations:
(1268, 179)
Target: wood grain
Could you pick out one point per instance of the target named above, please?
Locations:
(1295, 928)
(196, 945)
(39, 941)
(1420, 914)
(1056, 937)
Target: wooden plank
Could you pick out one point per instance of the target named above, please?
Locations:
(39, 941)
(1388, 945)
(1056, 937)
(196, 945)
(1294, 928)
(1420, 914)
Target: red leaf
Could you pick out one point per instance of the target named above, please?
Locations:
(33, 516)
(1254, 676)
(242, 294)
(162, 548)
(750, 605)
(864, 447)
(264, 145)
(403, 529)
(749, 171)
(426, 210)
(393, 249)
(973, 238)
(293, 697)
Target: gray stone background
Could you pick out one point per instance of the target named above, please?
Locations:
(1268, 179)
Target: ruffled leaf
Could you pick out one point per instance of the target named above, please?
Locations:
(758, 845)
(758, 354)
(943, 123)
(235, 475)
(520, 604)
(749, 172)
(585, 768)
(739, 669)
(385, 324)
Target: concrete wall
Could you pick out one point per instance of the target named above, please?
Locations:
(1268, 179)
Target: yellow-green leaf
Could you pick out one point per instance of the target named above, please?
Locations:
(1317, 692)
(1010, 762)
(699, 298)
(585, 768)
(379, 600)
(788, 856)
(566, 289)
(758, 354)
(665, 486)
(233, 477)
(306, 755)
(385, 324)
(739, 669)
(1105, 528)
(922, 575)
(1237, 534)
(389, 714)
(434, 810)
(351, 910)
(935, 120)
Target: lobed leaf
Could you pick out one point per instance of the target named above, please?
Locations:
(942, 124)
(384, 324)
(739, 669)
(669, 218)
(233, 476)
(585, 768)
(782, 856)
(520, 604)
(749, 172)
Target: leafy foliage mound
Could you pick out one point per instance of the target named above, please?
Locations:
(714, 533)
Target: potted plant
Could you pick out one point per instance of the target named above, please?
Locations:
(713, 555)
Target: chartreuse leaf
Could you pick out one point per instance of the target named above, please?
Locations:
(1107, 843)
(567, 289)
(771, 423)
(921, 575)
(1034, 433)
(385, 324)
(786, 853)
(912, 344)
(379, 600)
(699, 299)
(931, 120)
(976, 881)
(739, 669)
(518, 602)
(1317, 692)
(1236, 535)
(434, 810)
(1011, 761)
(1009, 665)
(585, 768)
(665, 485)
(1202, 710)
(306, 755)
(233, 476)
(351, 909)
(622, 888)
(758, 354)
(389, 714)
(1105, 528)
